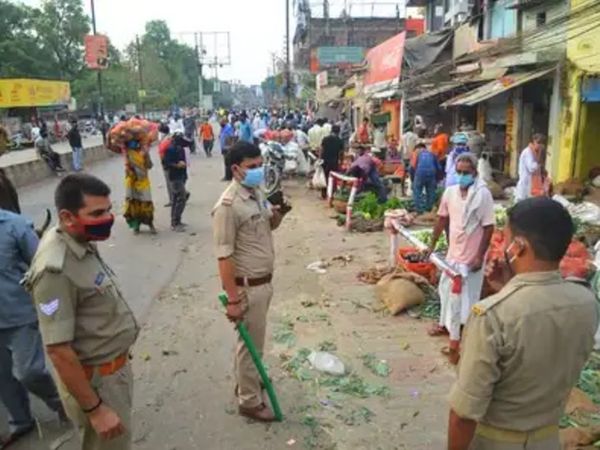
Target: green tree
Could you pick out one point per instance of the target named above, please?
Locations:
(61, 26)
(20, 52)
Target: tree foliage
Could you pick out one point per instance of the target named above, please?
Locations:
(48, 43)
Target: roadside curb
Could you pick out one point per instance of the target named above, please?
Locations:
(29, 172)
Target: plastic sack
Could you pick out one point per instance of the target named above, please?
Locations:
(326, 362)
(319, 181)
(484, 168)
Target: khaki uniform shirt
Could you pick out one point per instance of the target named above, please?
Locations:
(242, 230)
(523, 351)
(77, 300)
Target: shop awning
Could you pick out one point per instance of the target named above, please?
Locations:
(494, 88)
(428, 93)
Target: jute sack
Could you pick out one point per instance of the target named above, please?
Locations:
(397, 292)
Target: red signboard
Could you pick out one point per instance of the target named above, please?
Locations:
(385, 62)
(415, 25)
(96, 52)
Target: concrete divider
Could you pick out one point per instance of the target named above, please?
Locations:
(31, 170)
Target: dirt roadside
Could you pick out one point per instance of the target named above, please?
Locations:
(183, 359)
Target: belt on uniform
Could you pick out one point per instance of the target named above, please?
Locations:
(516, 437)
(108, 368)
(253, 282)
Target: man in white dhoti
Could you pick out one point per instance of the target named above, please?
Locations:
(467, 208)
(529, 165)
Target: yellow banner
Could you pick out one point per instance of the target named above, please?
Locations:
(22, 92)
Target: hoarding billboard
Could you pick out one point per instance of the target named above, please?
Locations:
(384, 63)
(23, 92)
(96, 52)
(335, 56)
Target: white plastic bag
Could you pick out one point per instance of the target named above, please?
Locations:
(484, 168)
(318, 180)
(326, 362)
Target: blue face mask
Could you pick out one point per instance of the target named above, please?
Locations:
(254, 177)
(465, 180)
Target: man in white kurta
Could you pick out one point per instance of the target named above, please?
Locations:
(529, 165)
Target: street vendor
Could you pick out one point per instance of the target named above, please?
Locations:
(467, 208)
(529, 166)
(524, 347)
(365, 168)
(460, 141)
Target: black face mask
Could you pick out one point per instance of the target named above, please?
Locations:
(94, 229)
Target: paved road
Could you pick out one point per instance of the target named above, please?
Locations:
(30, 154)
(144, 264)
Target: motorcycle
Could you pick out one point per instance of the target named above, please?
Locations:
(274, 163)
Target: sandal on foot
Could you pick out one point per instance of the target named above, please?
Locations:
(437, 330)
(262, 413)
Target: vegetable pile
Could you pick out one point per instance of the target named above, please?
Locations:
(425, 237)
(370, 208)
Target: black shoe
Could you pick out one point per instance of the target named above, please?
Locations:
(187, 196)
(168, 205)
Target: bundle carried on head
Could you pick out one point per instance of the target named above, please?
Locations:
(134, 129)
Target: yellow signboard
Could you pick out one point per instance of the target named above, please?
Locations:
(22, 92)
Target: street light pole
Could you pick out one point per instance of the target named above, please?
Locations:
(99, 72)
(141, 93)
(200, 83)
(288, 86)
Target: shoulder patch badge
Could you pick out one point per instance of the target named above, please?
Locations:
(50, 307)
(478, 310)
(99, 279)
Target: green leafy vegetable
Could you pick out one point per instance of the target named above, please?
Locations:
(378, 366)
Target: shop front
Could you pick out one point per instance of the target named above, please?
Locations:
(508, 111)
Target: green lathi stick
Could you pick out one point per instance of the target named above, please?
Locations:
(257, 362)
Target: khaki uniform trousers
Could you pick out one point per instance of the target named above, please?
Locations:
(257, 300)
(486, 440)
(116, 391)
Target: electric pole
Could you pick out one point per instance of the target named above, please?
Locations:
(142, 92)
(288, 85)
(200, 82)
(99, 72)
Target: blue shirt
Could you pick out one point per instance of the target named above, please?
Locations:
(246, 132)
(18, 243)
(226, 132)
(427, 165)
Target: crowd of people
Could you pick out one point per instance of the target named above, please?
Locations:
(59, 297)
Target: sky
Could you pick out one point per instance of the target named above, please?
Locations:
(255, 32)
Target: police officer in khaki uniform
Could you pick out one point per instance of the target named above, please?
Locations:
(242, 224)
(86, 325)
(525, 346)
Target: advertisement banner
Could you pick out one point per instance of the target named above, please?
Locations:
(96, 52)
(322, 80)
(340, 56)
(385, 63)
(22, 92)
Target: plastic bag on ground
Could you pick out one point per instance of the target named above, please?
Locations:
(326, 362)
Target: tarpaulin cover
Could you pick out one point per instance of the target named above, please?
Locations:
(422, 51)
